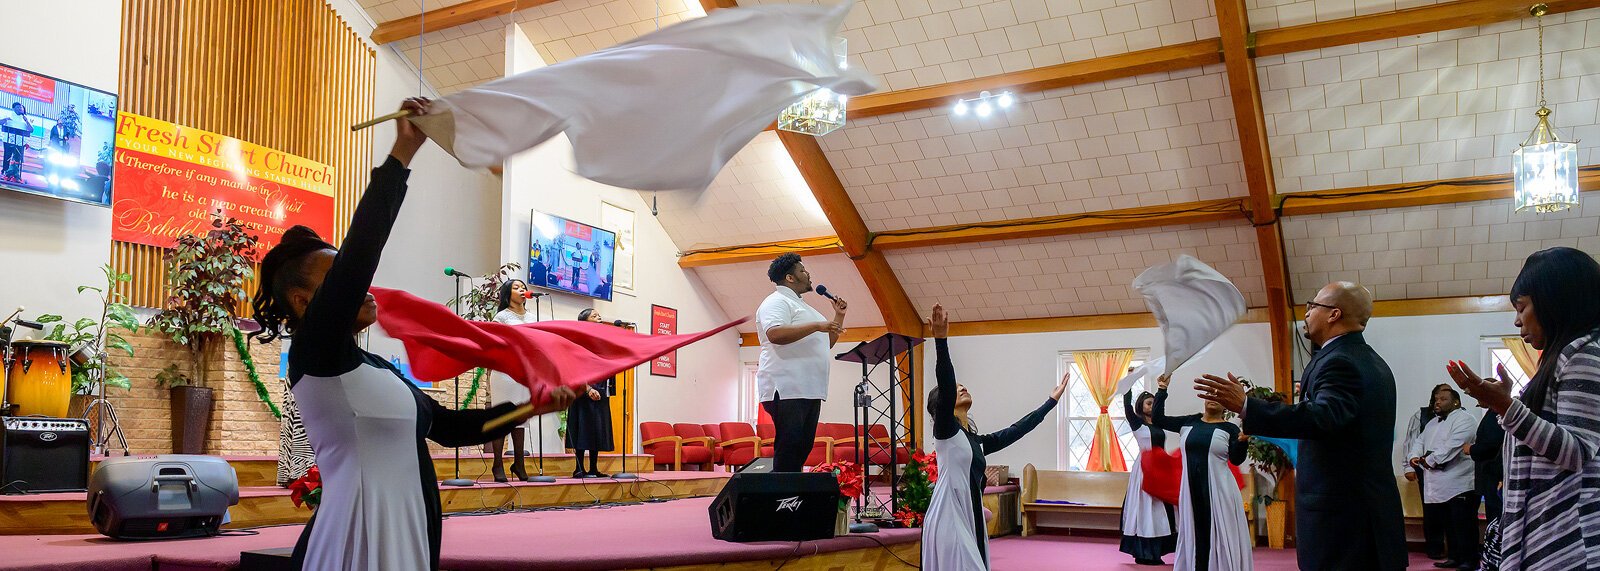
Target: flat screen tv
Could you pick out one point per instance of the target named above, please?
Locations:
(570, 257)
(59, 137)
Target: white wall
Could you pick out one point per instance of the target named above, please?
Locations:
(706, 388)
(48, 247)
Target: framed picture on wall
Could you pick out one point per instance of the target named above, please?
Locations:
(664, 321)
(620, 220)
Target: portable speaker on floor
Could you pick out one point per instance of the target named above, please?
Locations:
(40, 454)
(158, 497)
(777, 506)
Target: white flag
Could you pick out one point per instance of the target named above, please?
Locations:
(1192, 302)
(665, 111)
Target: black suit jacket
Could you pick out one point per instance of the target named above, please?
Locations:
(1347, 505)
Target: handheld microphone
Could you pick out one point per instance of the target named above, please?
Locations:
(449, 271)
(822, 290)
(30, 324)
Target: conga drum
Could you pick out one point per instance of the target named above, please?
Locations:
(41, 378)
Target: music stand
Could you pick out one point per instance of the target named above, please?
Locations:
(886, 349)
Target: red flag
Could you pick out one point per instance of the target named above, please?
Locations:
(541, 356)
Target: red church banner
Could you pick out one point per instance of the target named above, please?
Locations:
(664, 321)
(172, 180)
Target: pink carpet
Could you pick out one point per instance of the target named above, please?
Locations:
(1014, 553)
(658, 534)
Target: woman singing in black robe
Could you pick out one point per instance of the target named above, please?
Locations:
(589, 420)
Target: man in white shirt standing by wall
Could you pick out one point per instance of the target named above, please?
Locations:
(1448, 471)
(793, 375)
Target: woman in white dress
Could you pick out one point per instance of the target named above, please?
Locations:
(1212, 532)
(513, 305)
(367, 424)
(954, 536)
(1148, 531)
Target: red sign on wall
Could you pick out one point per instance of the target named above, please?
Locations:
(664, 321)
(28, 85)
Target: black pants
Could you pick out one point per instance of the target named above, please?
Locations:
(1433, 522)
(1461, 526)
(1487, 484)
(795, 424)
(12, 165)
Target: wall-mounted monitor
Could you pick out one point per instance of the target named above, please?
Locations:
(59, 137)
(570, 257)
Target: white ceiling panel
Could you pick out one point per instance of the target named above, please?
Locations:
(1154, 139)
(759, 197)
(1268, 14)
(1090, 274)
(739, 289)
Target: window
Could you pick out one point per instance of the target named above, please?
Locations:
(1078, 414)
(1496, 354)
(749, 400)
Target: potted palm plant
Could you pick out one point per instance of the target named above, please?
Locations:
(206, 275)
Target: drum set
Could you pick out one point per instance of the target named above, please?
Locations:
(38, 381)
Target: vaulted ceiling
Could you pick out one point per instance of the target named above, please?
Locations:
(1286, 143)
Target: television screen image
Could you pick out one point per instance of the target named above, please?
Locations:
(570, 257)
(59, 137)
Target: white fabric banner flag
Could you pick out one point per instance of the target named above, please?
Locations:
(663, 112)
(1147, 371)
(1192, 302)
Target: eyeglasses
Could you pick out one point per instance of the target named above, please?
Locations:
(1311, 304)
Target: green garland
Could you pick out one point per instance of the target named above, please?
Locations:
(250, 369)
(473, 392)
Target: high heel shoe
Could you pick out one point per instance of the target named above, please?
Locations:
(521, 471)
(499, 471)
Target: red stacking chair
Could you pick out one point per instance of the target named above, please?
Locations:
(698, 448)
(821, 446)
(713, 430)
(657, 439)
(739, 444)
(842, 438)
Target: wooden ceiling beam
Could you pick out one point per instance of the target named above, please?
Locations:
(899, 315)
(1407, 22)
(448, 17)
(759, 252)
(1168, 58)
(1426, 193)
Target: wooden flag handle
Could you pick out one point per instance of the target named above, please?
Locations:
(507, 418)
(381, 119)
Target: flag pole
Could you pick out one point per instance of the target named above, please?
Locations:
(381, 119)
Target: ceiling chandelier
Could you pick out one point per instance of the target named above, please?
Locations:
(822, 111)
(1544, 168)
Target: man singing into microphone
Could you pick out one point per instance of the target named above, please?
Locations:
(793, 375)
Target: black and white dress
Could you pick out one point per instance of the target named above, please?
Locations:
(1148, 528)
(954, 535)
(380, 499)
(589, 420)
(1212, 532)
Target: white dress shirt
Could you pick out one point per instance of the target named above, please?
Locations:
(1448, 470)
(798, 370)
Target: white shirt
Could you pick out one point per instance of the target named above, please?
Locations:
(509, 317)
(798, 370)
(1440, 445)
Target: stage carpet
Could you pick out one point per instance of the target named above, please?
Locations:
(1016, 553)
(668, 534)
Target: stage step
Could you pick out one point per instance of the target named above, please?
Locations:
(263, 470)
(67, 513)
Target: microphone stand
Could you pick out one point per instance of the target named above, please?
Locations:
(537, 316)
(627, 431)
(458, 480)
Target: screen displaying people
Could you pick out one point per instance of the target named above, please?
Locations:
(59, 138)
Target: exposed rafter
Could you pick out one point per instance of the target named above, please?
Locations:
(759, 252)
(448, 17)
(1407, 22)
(1168, 58)
(1448, 191)
(1245, 93)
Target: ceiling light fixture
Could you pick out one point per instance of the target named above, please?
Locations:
(1544, 168)
(984, 104)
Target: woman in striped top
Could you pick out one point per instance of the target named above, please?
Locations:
(1551, 517)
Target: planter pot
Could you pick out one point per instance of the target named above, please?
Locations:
(841, 525)
(1277, 521)
(191, 417)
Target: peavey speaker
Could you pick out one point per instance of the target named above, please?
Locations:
(158, 497)
(39, 454)
(778, 506)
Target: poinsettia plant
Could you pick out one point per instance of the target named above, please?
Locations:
(916, 487)
(307, 490)
(850, 480)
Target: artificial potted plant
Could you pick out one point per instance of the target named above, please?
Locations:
(96, 338)
(1270, 460)
(206, 275)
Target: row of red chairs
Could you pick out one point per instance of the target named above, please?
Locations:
(734, 444)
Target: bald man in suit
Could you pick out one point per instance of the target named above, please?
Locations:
(1347, 504)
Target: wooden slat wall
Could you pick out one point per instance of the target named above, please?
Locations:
(289, 75)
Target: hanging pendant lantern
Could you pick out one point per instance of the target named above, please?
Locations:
(822, 111)
(1544, 167)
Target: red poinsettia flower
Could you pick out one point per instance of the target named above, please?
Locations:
(307, 489)
(908, 517)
